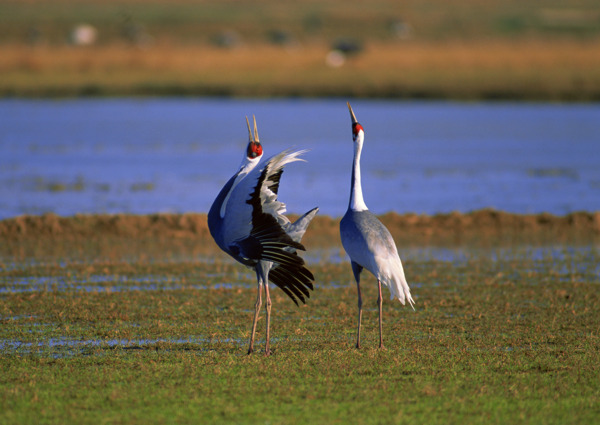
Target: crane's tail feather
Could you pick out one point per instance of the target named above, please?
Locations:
(395, 280)
(294, 282)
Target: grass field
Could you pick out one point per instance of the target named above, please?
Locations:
(101, 327)
(462, 50)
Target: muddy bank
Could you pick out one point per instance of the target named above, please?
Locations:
(483, 225)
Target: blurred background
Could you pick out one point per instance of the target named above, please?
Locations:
(138, 106)
(468, 49)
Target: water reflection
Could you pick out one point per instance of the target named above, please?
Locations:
(65, 347)
(568, 263)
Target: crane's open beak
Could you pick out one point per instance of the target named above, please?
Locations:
(354, 120)
(254, 148)
(250, 138)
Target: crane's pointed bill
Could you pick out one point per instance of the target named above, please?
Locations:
(354, 120)
(255, 130)
(249, 130)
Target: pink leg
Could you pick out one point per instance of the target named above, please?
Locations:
(356, 269)
(359, 314)
(380, 304)
(256, 313)
(268, 306)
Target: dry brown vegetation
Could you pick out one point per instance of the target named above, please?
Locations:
(469, 70)
(169, 235)
(436, 49)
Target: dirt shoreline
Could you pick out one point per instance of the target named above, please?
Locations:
(481, 225)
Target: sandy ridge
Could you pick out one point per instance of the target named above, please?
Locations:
(481, 224)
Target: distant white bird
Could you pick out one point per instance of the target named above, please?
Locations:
(368, 242)
(246, 220)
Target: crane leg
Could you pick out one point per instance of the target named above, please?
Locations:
(256, 313)
(356, 269)
(359, 314)
(380, 304)
(268, 308)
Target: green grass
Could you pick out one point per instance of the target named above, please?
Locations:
(498, 336)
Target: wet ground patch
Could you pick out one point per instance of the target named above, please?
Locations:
(97, 331)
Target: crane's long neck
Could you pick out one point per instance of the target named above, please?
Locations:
(357, 202)
(246, 166)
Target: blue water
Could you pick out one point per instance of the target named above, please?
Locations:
(173, 155)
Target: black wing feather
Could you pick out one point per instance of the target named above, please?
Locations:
(282, 279)
(275, 178)
(269, 233)
(288, 272)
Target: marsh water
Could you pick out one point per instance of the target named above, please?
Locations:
(173, 155)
